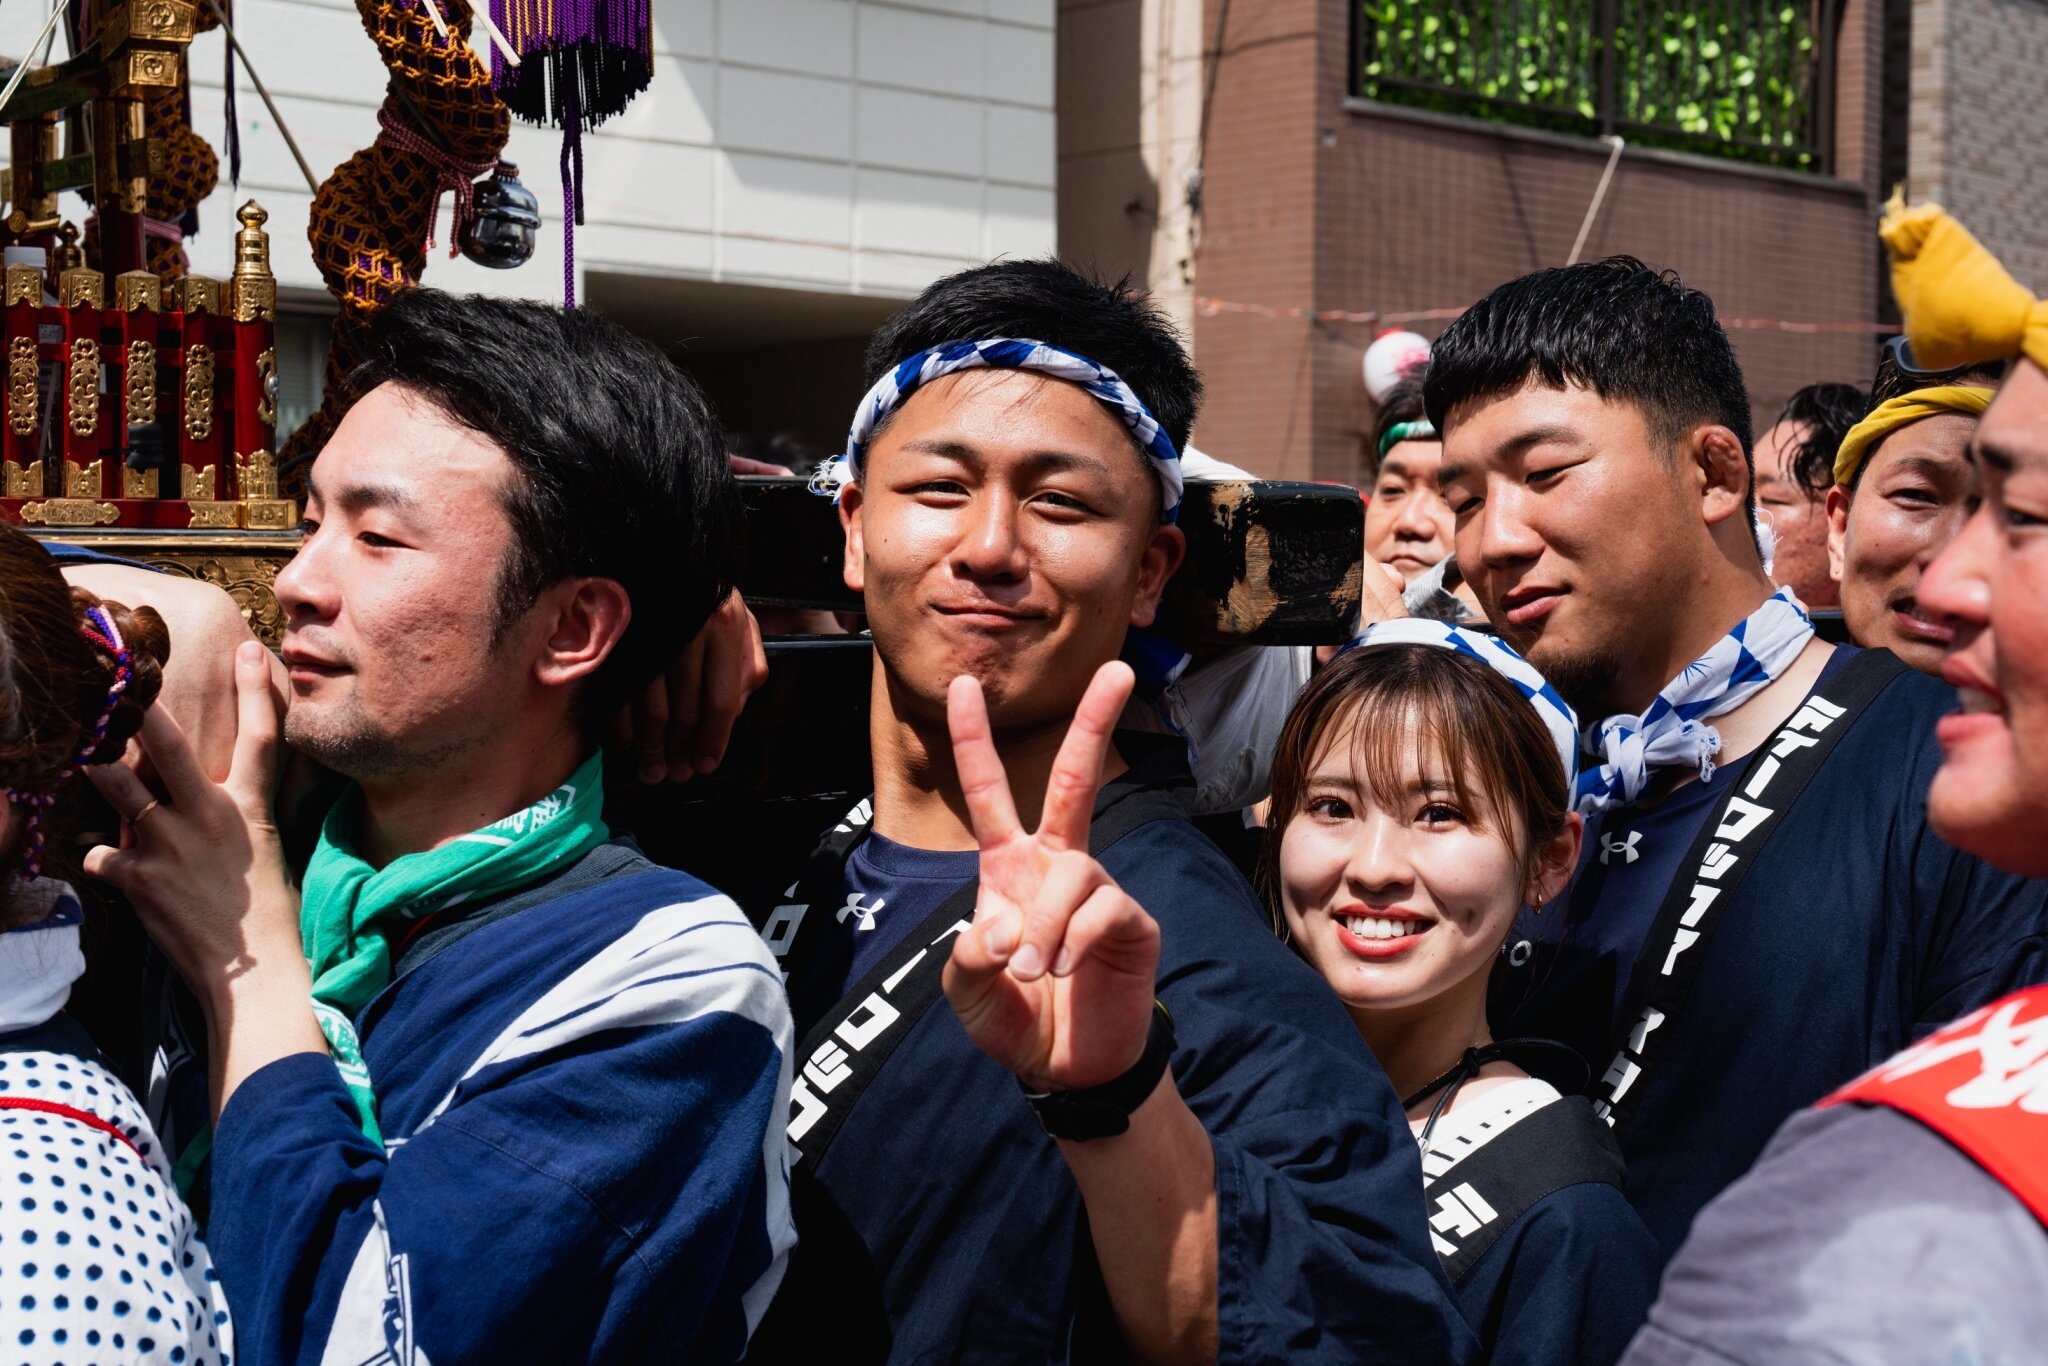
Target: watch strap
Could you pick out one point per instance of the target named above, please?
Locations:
(1105, 1111)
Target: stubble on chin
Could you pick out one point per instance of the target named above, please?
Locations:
(1584, 678)
(343, 740)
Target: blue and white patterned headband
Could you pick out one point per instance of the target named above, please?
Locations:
(1552, 710)
(1009, 353)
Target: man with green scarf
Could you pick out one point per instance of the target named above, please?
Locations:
(490, 1085)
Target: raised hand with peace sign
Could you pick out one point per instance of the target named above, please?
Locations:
(1055, 978)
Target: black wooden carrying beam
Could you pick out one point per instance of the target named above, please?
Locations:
(1268, 563)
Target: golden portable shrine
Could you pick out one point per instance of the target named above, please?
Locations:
(141, 400)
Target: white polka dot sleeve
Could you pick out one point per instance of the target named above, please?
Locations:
(99, 1258)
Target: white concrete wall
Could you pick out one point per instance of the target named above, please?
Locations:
(858, 146)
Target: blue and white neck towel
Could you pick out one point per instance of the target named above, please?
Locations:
(1496, 654)
(1673, 729)
(1006, 353)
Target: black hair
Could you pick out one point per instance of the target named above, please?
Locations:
(621, 469)
(1893, 381)
(1627, 332)
(1827, 410)
(1403, 403)
(1048, 301)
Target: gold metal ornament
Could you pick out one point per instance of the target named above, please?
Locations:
(262, 509)
(198, 485)
(17, 482)
(266, 387)
(216, 516)
(82, 481)
(70, 512)
(138, 483)
(199, 392)
(24, 286)
(21, 386)
(141, 381)
(84, 408)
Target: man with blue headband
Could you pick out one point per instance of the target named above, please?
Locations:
(1136, 1124)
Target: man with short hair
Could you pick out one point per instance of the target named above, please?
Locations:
(1762, 911)
(493, 1087)
(1803, 440)
(1228, 1175)
(1902, 1219)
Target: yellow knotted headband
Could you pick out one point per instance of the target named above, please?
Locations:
(1961, 306)
(1904, 411)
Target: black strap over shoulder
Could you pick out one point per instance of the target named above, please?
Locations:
(851, 1042)
(1474, 1194)
(1735, 831)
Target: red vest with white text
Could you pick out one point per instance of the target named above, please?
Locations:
(1981, 1083)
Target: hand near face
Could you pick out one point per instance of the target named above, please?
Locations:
(1055, 979)
(204, 867)
(682, 721)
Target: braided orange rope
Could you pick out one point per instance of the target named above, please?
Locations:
(369, 220)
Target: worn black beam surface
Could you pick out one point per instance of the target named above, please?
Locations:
(1268, 563)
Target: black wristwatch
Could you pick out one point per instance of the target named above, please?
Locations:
(1105, 1111)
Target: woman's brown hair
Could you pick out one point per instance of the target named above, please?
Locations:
(1488, 738)
(54, 683)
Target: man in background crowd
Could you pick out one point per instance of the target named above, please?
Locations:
(1762, 912)
(1899, 488)
(1806, 434)
(1902, 1221)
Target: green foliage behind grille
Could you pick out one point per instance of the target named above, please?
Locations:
(1738, 78)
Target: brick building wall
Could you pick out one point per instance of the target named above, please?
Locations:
(1315, 200)
(1978, 140)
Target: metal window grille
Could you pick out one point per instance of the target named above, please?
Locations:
(1749, 79)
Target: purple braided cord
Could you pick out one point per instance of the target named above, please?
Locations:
(43, 799)
(572, 187)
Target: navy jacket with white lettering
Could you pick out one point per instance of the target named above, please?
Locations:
(1856, 931)
(943, 1225)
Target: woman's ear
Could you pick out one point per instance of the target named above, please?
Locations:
(1556, 859)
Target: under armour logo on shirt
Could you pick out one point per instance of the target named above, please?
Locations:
(1610, 846)
(866, 913)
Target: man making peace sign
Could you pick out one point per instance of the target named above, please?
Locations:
(1143, 1126)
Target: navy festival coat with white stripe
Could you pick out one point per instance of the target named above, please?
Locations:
(583, 1102)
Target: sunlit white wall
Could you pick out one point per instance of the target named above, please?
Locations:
(856, 146)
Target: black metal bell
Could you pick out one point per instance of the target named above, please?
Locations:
(501, 232)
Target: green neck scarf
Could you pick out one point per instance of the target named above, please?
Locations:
(352, 917)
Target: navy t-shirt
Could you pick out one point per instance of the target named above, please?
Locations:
(890, 890)
(1629, 859)
(1857, 931)
(66, 553)
(942, 1224)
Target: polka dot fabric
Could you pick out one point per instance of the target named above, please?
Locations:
(100, 1261)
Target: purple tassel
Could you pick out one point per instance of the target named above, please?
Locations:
(597, 56)
(604, 49)
(572, 195)
(233, 136)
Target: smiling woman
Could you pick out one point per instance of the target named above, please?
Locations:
(1420, 800)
